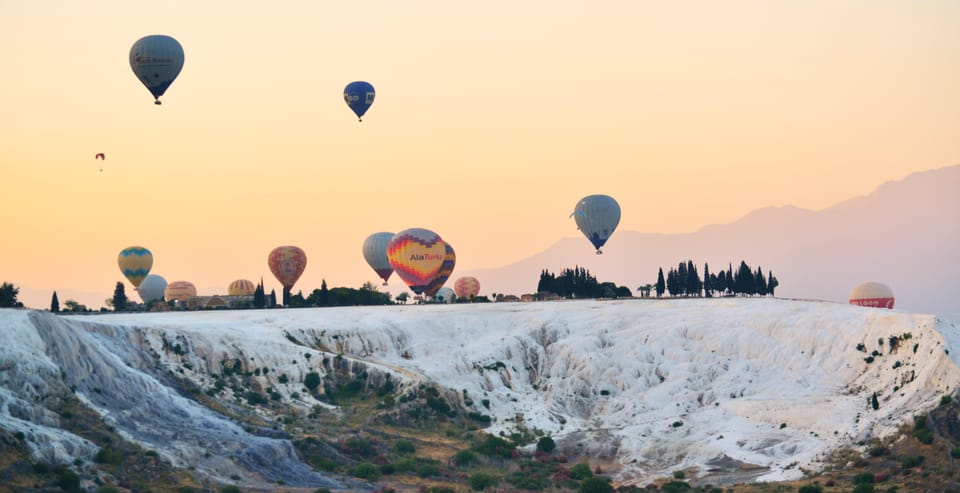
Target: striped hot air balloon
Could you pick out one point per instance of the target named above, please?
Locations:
(446, 268)
(241, 287)
(135, 263)
(466, 287)
(416, 255)
(180, 291)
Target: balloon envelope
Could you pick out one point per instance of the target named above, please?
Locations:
(873, 294)
(375, 253)
(444, 295)
(359, 96)
(156, 60)
(446, 268)
(597, 216)
(180, 291)
(287, 263)
(135, 263)
(152, 288)
(466, 287)
(416, 255)
(241, 287)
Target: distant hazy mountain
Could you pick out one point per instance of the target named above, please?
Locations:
(905, 234)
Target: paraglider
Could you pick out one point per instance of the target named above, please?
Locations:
(416, 255)
(100, 155)
(152, 288)
(446, 268)
(872, 294)
(180, 291)
(359, 96)
(466, 287)
(135, 263)
(375, 253)
(597, 217)
(241, 287)
(287, 263)
(156, 60)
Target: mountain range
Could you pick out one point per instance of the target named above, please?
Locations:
(905, 234)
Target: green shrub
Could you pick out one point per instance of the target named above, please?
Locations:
(546, 445)
(595, 485)
(312, 380)
(911, 461)
(810, 488)
(955, 453)
(359, 446)
(946, 400)
(109, 456)
(675, 487)
(366, 471)
(862, 478)
(404, 447)
(863, 488)
(481, 481)
(678, 475)
(466, 458)
(581, 471)
(428, 471)
(494, 446)
(230, 489)
(68, 481)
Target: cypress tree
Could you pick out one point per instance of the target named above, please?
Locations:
(772, 283)
(54, 303)
(731, 280)
(680, 280)
(661, 284)
(119, 298)
(259, 298)
(694, 284)
(707, 282)
(761, 282)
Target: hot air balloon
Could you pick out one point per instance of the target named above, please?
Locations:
(156, 60)
(287, 263)
(597, 216)
(466, 287)
(416, 255)
(135, 263)
(444, 295)
(180, 291)
(375, 253)
(873, 294)
(152, 288)
(446, 268)
(359, 96)
(241, 287)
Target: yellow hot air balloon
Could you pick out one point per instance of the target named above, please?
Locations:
(135, 263)
(241, 287)
(416, 255)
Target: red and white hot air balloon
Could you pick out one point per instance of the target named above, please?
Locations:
(466, 287)
(873, 294)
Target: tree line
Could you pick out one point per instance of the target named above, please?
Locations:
(684, 280)
(578, 283)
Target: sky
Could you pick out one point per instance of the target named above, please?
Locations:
(491, 121)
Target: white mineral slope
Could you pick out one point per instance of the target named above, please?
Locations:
(648, 387)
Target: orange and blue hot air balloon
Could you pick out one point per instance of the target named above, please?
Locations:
(359, 96)
(375, 253)
(287, 263)
(135, 263)
(446, 268)
(416, 255)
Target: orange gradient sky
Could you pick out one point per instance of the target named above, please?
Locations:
(491, 120)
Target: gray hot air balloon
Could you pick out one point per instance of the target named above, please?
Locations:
(152, 288)
(375, 253)
(156, 60)
(597, 216)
